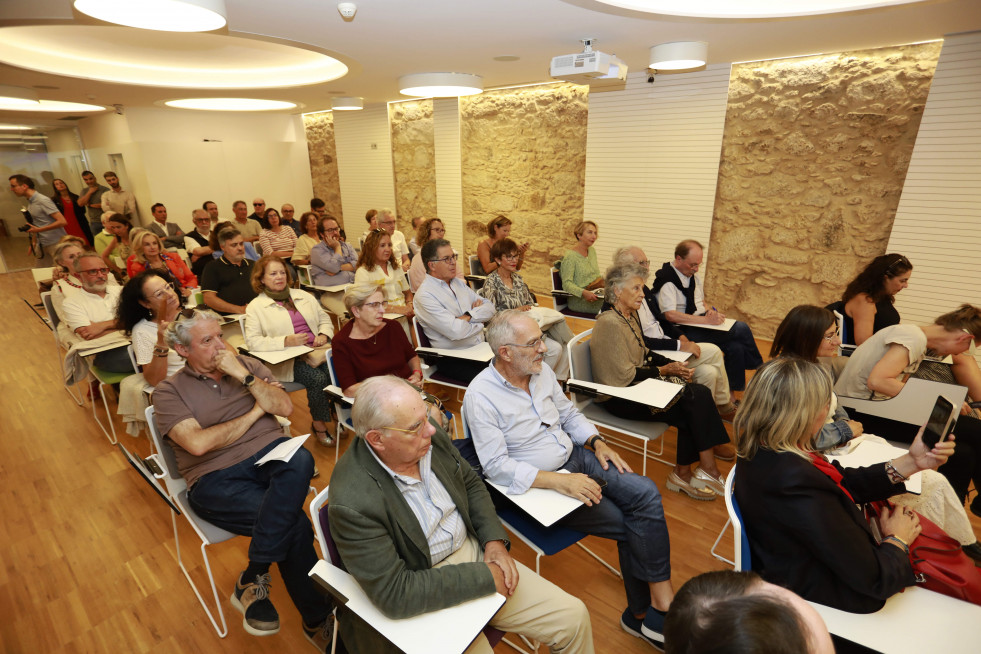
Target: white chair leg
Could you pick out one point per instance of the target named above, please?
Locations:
(716, 545)
(111, 432)
(223, 630)
(602, 562)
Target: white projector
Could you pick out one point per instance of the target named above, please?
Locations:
(593, 68)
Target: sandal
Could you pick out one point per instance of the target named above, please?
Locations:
(326, 440)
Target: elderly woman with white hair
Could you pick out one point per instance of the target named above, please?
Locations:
(620, 358)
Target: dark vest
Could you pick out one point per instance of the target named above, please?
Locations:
(668, 275)
(197, 267)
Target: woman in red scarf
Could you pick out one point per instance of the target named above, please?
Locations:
(799, 511)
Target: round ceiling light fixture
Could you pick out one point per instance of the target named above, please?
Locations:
(347, 104)
(750, 8)
(230, 104)
(51, 106)
(679, 55)
(125, 55)
(17, 97)
(160, 15)
(440, 85)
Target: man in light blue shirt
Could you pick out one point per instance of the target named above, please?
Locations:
(528, 434)
(450, 312)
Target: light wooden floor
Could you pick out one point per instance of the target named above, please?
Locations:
(88, 558)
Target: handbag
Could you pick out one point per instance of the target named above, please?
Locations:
(317, 357)
(939, 563)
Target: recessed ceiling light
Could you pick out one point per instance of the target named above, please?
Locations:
(506, 58)
(440, 85)
(51, 105)
(162, 15)
(17, 96)
(131, 56)
(347, 104)
(750, 8)
(230, 104)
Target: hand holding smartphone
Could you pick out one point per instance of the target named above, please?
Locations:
(941, 423)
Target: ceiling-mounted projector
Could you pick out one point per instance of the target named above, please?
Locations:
(597, 69)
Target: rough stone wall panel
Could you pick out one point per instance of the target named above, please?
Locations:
(523, 155)
(814, 156)
(323, 163)
(414, 161)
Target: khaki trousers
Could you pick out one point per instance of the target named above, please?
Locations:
(709, 370)
(539, 610)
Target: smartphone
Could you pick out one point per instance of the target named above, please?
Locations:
(941, 422)
(600, 481)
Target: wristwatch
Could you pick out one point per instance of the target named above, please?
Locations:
(248, 381)
(591, 443)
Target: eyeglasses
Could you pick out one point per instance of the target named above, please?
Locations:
(645, 263)
(332, 230)
(187, 312)
(95, 271)
(511, 257)
(452, 257)
(375, 306)
(417, 431)
(161, 294)
(387, 222)
(535, 343)
(258, 204)
(831, 337)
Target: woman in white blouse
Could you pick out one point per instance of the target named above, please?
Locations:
(281, 317)
(147, 305)
(377, 265)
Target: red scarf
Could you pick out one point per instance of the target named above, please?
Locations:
(832, 472)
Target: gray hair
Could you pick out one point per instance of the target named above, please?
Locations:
(200, 212)
(623, 255)
(500, 329)
(371, 405)
(226, 235)
(86, 254)
(61, 247)
(382, 213)
(618, 276)
(357, 294)
(179, 331)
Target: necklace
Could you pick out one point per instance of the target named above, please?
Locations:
(374, 337)
(640, 341)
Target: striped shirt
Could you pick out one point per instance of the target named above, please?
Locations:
(432, 506)
(271, 242)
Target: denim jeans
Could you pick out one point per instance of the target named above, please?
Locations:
(738, 346)
(266, 503)
(630, 513)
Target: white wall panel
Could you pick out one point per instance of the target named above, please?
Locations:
(938, 221)
(363, 141)
(652, 161)
(449, 173)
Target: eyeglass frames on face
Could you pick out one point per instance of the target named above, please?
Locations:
(538, 342)
(374, 306)
(94, 271)
(415, 432)
(832, 336)
(452, 257)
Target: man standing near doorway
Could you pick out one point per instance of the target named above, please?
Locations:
(48, 223)
(118, 200)
(92, 201)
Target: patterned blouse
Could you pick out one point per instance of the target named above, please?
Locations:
(503, 297)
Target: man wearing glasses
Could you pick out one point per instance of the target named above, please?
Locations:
(250, 229)
(259, 212)
(92, 313)
(286, 218)
(332, 263)
(219, 413)
(682, 299)
(528, 434)
(414, 524)
(450, 312)
(196, 242)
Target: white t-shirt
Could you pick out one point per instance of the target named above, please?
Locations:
(670, 297)
(399, 245)
(84, 308)
(854, 378)
(144, 340)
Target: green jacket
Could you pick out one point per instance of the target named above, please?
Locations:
(382, 545)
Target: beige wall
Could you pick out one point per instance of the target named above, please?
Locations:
(319, 130)
(523, 153)
(814, 156)
(413, 161)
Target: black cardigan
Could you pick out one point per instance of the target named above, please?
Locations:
(806, 535)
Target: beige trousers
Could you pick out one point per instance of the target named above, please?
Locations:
(539, 610)
(709, 370)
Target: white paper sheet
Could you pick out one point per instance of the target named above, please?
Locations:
(724, 327)
(284, 451)
(652, 392)
(479, 352)
(867, 450)
(278, 356)
(545, 505)
(674, 355)
(447, 631)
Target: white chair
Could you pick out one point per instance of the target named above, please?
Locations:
(560, 298)
(431, 369)
(53, 322)
(342, 405)
(843, 349)
(581, 369)
(209, 534)
(476, 278)
(740, 557)
(913, 403)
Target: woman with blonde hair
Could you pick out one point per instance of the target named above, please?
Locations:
(799, 511)
(149, 253)
(580, 270)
